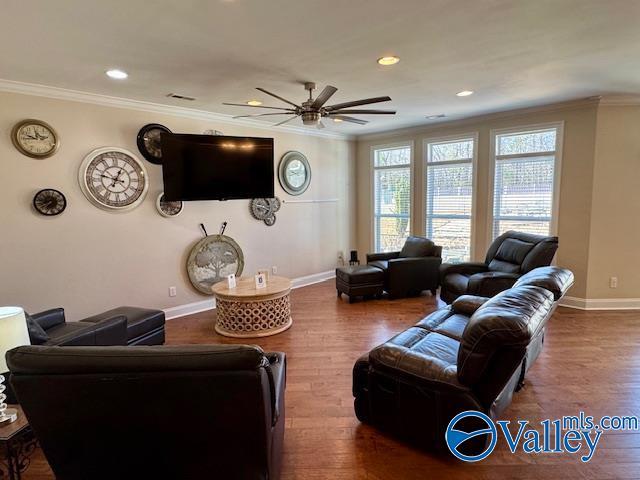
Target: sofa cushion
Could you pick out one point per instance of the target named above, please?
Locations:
(417, 247)
(360, 275)
(468, 304)
(381, 264)
(456, 282)
(37, 334)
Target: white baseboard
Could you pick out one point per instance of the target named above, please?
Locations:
(601, 303)
(210, 304)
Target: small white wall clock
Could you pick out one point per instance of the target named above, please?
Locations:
(113, 179)
(168, 209)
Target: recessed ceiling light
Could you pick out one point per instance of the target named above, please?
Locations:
(465, 93)
(337, 120)
(254, 103)
(117, 74)
(433, 117)
(386, 61)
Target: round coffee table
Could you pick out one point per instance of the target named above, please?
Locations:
(246, 311)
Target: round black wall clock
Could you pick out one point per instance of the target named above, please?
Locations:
(49, 202)
(149, 142)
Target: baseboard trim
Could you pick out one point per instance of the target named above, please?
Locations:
(601, 303)
(210, 304)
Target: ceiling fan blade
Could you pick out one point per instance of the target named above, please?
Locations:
(319, 125)
(276, 96)
(364, 112)
(287, 120)
(345, 118)
(324, 96)
(261, 114)
(258, 106)
(355, 103)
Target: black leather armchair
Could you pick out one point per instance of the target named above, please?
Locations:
(510, 256)
(411, 270)
(183, 412)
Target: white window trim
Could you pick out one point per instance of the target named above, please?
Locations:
(372, 199)
(474, 165)
(557, 172)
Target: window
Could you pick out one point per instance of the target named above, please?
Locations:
(449, 175)
(525, 168)
(392, 197)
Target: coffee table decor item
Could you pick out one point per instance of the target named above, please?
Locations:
(247, 311)
(113, 179)
(148, 141)
(35, 138)
(168, 209)
(294, 173)
(265, 209)
(212, 260)
(49, 202)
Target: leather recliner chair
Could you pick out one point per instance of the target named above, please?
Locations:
(471, 355)
(510, 255)
(199, 411)
(411, 270)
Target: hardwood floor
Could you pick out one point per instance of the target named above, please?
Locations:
(591, 362)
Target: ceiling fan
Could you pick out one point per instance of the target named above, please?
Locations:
(313, 110)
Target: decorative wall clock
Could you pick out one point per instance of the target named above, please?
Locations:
(149, 142)
(35, 138)
(113, 178)
(265, 209)
(212, 259)
(168, 209)
(294, 173)
(49, 202)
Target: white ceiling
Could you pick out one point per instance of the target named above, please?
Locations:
(511, 53)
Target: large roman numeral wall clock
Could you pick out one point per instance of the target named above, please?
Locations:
(113, 179)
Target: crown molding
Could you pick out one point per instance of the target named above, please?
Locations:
(33, 89)
(620, 100)
(461, 122)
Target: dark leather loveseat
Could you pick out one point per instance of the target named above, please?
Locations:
(187, 412)
(471, 355)
(510, 255)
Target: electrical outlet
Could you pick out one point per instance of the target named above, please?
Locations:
(274, 269)
(613, 282)
(172, 291)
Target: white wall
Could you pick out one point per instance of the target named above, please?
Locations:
(88, 260)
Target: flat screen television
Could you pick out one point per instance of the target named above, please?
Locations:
(210, 167)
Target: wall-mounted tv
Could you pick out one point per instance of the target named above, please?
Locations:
(210, 167)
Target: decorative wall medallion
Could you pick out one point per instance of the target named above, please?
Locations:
(294, 173)
(168, 209)
(49, 202)
(265, 209)
(149, 142)
(35, 138)
(212, 259)
(113, 178)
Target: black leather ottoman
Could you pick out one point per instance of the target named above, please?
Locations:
(145, 326)
(359, 281)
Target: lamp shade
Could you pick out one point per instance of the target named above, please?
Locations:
(13, 332)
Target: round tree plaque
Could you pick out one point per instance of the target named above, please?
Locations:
(212, 259)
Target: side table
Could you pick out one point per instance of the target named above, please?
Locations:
(17, 444)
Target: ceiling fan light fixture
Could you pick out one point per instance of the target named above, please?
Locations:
(390, 60)
(254, 103)
(310, 118)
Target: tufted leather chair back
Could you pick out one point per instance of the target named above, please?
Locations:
(519, 252)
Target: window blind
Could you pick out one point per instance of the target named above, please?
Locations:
(392, 197)
(449, 197)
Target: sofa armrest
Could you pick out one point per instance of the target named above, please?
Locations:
(277, 371)
(108, 332)
(372, 257)
(466, 268)
(468, 304)
(437, 251)
(49, 318)
(489, 284)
